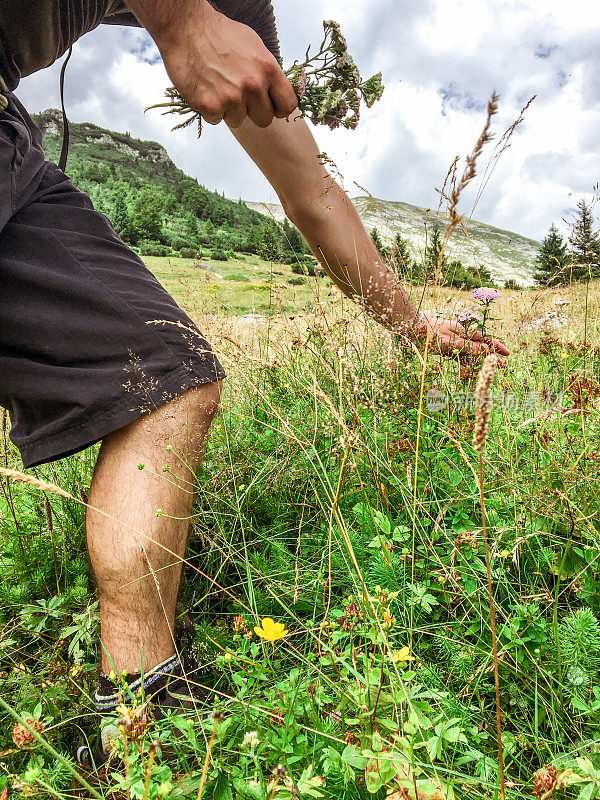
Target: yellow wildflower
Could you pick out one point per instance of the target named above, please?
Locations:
(271, 630)
(403, 655)
(388, 620)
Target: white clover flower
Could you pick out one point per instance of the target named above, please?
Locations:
(250, 741)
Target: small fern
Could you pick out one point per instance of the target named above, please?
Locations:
(389, 576)
(579, 639)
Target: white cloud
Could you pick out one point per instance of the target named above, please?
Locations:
(441, 60)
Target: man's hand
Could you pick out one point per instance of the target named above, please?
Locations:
(220, 67)
(451, 339)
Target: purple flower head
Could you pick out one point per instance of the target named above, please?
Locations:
(468, 316)
(485, 294)
(341, 110)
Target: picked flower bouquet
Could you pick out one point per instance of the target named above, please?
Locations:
(328, 85)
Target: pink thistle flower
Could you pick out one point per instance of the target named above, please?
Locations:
(485, 294)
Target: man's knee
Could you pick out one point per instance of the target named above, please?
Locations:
(205, 399)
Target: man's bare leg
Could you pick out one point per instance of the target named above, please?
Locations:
(136, 614)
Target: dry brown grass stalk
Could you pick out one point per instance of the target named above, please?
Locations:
(453, 219)
(154, 747)
(32, 481)
(218, 718)
(470, 169)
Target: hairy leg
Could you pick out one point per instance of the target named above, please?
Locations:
(137, 580)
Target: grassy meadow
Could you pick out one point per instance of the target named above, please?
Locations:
(338, 499)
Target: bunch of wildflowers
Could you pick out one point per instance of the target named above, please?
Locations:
(328, 85)
(469, 319)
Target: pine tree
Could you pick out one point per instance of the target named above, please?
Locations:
(254, 239)
(551, 260)
(401, 256)
(294, 241)
(191, 225)
(384, 251)
(585, 244)
(270, 244)
(376, 239)
(120, 215)
(434, 253)
(147, 214)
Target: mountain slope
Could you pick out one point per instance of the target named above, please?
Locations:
(506, 254)
(90, 144)
(97, 154)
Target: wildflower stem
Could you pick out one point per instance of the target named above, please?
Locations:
(207, 759)
(274, 789)
(149, 765)
(126, 760)
(492, 626)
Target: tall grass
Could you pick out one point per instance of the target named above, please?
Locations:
(335, 499)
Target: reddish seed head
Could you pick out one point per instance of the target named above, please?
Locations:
(22, 737)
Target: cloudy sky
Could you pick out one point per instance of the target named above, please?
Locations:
(441, 60)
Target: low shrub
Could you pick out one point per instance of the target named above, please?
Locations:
(190, 252)
(304, 268)
(240, 276)
(512, 284)
(150, 247)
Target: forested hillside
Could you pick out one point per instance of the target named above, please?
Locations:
(157, 207)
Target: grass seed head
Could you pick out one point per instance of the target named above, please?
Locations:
(483, 406)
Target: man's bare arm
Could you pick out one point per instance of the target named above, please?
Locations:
(288, 156)
(220, 67)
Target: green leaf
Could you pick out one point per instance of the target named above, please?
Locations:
(588, 792)
(352, 756)
(222, 789)
(373, 780)
(308, 782)
(245, 790)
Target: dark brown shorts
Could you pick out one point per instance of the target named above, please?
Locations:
(81, 351)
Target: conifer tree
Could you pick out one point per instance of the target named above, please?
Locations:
(120, 215)
(384, 251)
(269, 249)
(401, 256)
(294, 240)
(434, 252)
(376, 239)
(552, 259)
(147, 214)
(585, 244)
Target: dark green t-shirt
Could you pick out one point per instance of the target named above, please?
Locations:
(34, 33)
